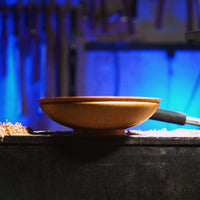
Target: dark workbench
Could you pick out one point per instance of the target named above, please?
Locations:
(67, 167)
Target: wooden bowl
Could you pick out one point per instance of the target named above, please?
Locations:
(99, 115)
(98, 98)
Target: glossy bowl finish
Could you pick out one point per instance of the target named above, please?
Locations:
(95, 115)
(98, 98)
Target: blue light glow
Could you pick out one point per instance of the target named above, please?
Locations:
(127, 73)
(149, 73)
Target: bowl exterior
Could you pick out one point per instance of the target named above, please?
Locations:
(99, 115)
(97, 98)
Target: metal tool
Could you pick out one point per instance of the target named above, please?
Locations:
(174, 117)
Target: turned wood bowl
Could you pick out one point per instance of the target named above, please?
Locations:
(99, 115)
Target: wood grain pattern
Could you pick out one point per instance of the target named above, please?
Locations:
(104, 117)
(98, 98)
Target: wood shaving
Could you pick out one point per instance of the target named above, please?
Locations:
(8, 128)
(165, 133)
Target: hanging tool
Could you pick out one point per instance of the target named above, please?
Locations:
(18, 18)
(4, 42)
(35, 34)
(127, 16)
(190, 12)
(197, 3)
(27, 21)
(34, 38)
(159, 14)
(57, 49)
(49, 46)
(72, 71)
(43, 50)
(61, 54)
(133, 12)
(84, 10)
(72, 52)
(50, 50)
(103, 15)
(133, 7)
(92, 6)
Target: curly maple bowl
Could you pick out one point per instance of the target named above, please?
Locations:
(99, 115)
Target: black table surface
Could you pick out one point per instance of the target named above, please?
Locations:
(62, 166)
(67, 137)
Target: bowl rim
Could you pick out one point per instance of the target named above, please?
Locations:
(71, 99)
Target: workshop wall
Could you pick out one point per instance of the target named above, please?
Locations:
(148, 73)
(113, 72)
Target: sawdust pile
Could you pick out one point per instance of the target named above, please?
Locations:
(165, 133)
(8, 128)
